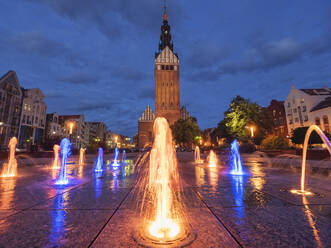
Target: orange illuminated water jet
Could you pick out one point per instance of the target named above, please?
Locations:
(212, 159)
(164, 218)
(81, 156)
(326, 141)
(56, 161)
(10, 169)
(197, 158)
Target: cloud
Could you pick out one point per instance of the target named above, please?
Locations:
(91, 106)
(275, 54)
(33, 43)
(80, 78)
(112, 16)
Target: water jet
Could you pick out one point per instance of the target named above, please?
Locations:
(10, 169)
(65, 147)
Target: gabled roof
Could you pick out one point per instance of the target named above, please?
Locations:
(323, 104)
(10, 77)
(318, 92)
(147, 115)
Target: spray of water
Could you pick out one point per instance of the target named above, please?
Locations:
(10, 169)
(81, 156)
(123, 157)
(162, 210)
(56, 162)
(115, 162)
(197, 158)
(212, 159)
(99, 161)
(235, 159)
(65, 146)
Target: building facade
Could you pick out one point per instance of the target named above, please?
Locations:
(167, 90)
(305, 107)
(97, 131)
(167, 94)
(11, 96)
(33, 117)
(277, 111)
(53, 126)
(145, 127)
(184, 114)
(75, 128)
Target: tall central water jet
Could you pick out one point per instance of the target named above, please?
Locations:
(235, 159)
(56, 161)
(197, 158)
(10, 169)
(212, 159)
(81, 156)
(65, 146)
(165, 223)
(115, 158)
(304, 156)
(99, 161)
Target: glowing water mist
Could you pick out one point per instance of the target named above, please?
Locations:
(115, 158)
(235, 159)
(123, 157)
(65, 146)
(56, 161)
(164, 216)
(197, 158)
(212, 159)
(10, 169)
(99, 161)
(81, 156)
(304, 156)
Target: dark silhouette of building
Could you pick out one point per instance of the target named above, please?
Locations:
(277, 111)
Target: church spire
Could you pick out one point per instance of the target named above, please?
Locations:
(165, 38)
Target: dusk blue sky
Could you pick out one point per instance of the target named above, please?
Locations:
(96, 57)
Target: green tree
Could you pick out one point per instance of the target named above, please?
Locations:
(272, 142)
(221, 132)
(241, 115)
(184, 131)
(299, 134)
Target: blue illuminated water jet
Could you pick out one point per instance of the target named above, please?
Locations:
(235, 159)
(123, 157)
(65, 147)
(115, 163)
(99, 161)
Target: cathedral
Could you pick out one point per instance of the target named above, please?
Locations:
(167, 93)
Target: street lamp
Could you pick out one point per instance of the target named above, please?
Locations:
(71, 126)
(252, 132)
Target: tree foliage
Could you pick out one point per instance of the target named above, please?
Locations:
(185, 131)
(242, 114)
(299, 134)
(272, 142)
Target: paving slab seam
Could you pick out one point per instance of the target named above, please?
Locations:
(41, 202)
(115, 211)
(218, 219)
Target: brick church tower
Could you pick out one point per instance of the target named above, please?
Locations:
(167, 95)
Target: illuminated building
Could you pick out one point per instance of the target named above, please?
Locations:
(33, 117)
(53, 127)
(277, 111)
(11, 96)
(145, 127)
(75, 128)
(97, 131)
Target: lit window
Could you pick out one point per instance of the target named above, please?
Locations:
(25, 106)
(317, 121)
(302, 100)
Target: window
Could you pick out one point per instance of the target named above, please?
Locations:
(25, 106)
(29, 106)
(291, 121)
(326, 123)
(302, 100)
(281, 129)
(296, 119)
(306, 118)
(274, 113)
(158, 67)
(175, 67)
(167, 67)
(304, 108)
(288, 104)
(36, 120)
(162, 67)
(294, 110)
(280, 121)
(317, 121)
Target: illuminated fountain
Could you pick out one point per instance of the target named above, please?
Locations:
(81, 156)
(65, 146)
(123, 157)
(10, 169)
(115, 162)
(56, 161)
(235, 159)
(212, 159)
(164, 221)
(99, 161)
(312, 128)
(197, 158)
